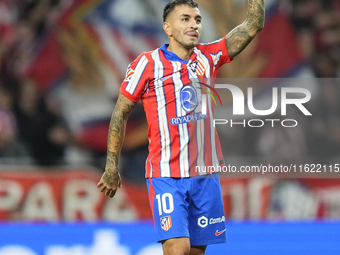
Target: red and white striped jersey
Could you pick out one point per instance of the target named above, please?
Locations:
(180, 137)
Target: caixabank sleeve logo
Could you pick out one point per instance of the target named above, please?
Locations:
(190, 100)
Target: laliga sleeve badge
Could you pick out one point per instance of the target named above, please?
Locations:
(130, 72)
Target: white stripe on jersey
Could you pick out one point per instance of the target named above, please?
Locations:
(139, 70)
(151, 168)
(162, 116)
(216, 57)
(217, 41)
(214, 155)
(199, 124)
(183, 128)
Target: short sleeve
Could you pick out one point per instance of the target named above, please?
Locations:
(225, 58)
(218, 51)
(136, 79)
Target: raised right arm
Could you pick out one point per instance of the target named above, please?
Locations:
(111, 180)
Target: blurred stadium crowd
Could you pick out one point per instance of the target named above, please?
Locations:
(30, 125)
(63, 121)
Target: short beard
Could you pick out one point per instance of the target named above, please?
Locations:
(190, 46)
(187, 46)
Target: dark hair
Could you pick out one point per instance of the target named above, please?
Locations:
(173, 3)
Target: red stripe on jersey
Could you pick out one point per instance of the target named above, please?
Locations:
(152, 199)
(169, 92)
(219, 150)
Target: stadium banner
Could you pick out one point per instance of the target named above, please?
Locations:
(140, 239)
(52, 195)
(72, 196)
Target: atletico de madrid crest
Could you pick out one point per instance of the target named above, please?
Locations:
(166, 223)
(198, 68)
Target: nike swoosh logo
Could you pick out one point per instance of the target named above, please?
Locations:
(165, 78)
(220, 233)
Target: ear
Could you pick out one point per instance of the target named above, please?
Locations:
(167, 28)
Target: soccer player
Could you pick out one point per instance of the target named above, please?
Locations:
(187, 209)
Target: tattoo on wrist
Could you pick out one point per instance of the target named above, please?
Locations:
(112, 161)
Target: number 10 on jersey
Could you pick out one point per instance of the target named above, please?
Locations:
(165, 203)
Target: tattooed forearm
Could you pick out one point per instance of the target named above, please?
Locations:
(116, 135)
(255, 16)
(123, 109)
(243, 34)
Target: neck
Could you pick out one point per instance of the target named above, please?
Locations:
(181, 52)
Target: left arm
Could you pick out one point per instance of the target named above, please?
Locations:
(243, 34)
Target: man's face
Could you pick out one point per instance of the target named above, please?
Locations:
(183, 26)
